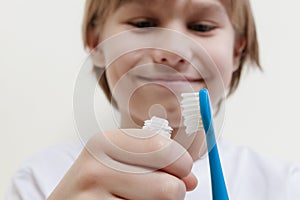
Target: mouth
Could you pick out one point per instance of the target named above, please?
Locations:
(171, 79)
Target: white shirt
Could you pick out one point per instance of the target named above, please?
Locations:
(249, 176)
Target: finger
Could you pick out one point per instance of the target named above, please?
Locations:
(156, 152)
(155, 185)
(101, 179)
(117, 198)
(190, 182)
(180, 167)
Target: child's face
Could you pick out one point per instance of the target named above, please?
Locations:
(152, 90)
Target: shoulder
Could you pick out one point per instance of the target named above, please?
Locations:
(245, 154)
(247, 158)
(253, 171)
(59, 156)
(39, 174)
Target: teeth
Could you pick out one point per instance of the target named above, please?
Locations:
(159, 126)
(191, 112)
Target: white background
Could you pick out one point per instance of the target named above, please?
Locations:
(41, 53)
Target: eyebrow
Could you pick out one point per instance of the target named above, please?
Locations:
(200, 6)
(141, 2)
(208, 8)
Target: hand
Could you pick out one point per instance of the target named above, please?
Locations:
(121, 164)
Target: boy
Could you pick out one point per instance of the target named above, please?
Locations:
(226, 30)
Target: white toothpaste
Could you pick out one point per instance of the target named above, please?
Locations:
(159, 126)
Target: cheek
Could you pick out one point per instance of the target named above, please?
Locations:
(224, 62)
(120, 79)
(120, 68)
(222, 56)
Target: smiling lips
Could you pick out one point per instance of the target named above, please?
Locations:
(171, 79)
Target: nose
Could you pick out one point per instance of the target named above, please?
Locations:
(172, 49)
(168, 58)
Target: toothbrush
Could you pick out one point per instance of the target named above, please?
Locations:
(190, 105)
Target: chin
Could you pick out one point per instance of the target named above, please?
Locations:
(175, 121)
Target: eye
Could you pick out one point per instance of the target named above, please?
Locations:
(143, 23)
(201, 27)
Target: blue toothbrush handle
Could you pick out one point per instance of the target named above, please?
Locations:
(219, 191)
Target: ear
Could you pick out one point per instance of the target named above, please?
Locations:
(96, 52)
(238, 51)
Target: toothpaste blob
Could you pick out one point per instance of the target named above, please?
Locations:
(159, 126)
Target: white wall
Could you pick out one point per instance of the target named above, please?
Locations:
(41, 54)
(265, 112)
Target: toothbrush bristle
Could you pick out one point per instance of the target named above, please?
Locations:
(159, 126)
(191, 112)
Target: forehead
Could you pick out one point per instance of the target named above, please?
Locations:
(216, 4)
(186, 3)
(182, 7)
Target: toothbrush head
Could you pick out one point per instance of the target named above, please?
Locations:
(191, 112)
(159, 126)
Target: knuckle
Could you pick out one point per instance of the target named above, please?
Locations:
(156, 144)
(88, 175)
(188, 165)
(90, 172)
(160, 153)
(173, 189)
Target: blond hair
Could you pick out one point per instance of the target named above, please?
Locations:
(239, 12)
